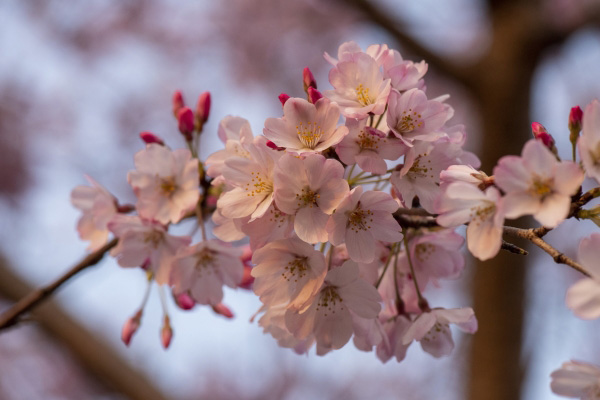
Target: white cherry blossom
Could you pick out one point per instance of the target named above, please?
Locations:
(584, 296)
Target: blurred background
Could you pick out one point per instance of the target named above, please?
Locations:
(80, 80)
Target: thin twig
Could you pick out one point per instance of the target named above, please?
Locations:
(532, 236)
(11, 316)
(511, 248)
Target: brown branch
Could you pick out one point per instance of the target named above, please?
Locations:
(394, 28)
(11, 316)
(533, 235)
(511, 248)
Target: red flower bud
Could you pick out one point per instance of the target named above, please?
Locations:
(185, 118)
(184, 301)
(540, 133)
(166, 333)
(178, 102)
(130, 327)
(149, 137)
(308, 79)
(223, 310)
(314, 95)
(203, 108)
(575, 118)
(283, 98)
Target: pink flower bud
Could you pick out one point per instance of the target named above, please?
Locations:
(223, 310)
(575, 118)
(308, 79)
(314, 95)
(178, 102)
(185, 118)
(203, 108)
(247, 278)
(283, 98)
(273, 146)
(130, 327)
(184, 301)
(166, 333)
(246, 255)
(541, 134)
(149, 137)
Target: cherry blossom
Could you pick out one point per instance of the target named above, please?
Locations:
(348, 50)
(589, 141)
(165, 182)
(411, 116)
(368, 147)
(306, 127)
(329, 316)
(252, 182)
(146, 243)
(235, 133)
(309, 188)
(202, 269)
(432, 329)
(404, 74)
(288, 271)
(98, 207)
(463, 202)
(361, 219)
(577, 379)
(584, 296)
(359, 86)
(536, 183)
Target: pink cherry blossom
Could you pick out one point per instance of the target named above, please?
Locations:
(537, 184)
(463, 202)
(589, 141)
(348, 50)
(306, 127)
(361, 219)
(404, 74)
(577, 379)
(329, 316)
(274, 225)
(359, 86)
(368, 147)
(432, 329)
(252, 182)
(309, 188)
(203, 269)
(584, 296)
(273, 323)
(463, 173)
(411, 116)
(394, 327)
(235, 133)
(165, 182)
(288, 271)
(98, 207)
(144, 242)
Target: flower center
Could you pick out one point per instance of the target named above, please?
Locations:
(360, 219)
(328, 300)
(362, 95)
(409, 121)
(168, 185)
(541, 188)
(423, 251)
(204, 260)
(295, 269)
(309, 134)
(258, 185)
(154, 237)
(307, 197)
(420, 171)
(482, 212)
(367, 141)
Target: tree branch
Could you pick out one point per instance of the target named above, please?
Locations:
(11, 316)
(533, 235)
(394, 28)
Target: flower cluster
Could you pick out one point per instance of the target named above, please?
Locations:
(346, 205)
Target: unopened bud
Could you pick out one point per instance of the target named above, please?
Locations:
(185, 119)
(166, 333)
(575, 123)
(314, 95)
(130, 327)
(308, 79)
(247, 278)
(149, 137)
(223, 310)
(178, 102)
(184, 301)
(203, 109)
(283, 98)
(540, 133)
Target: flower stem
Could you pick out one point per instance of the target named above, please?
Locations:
(422, 300)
